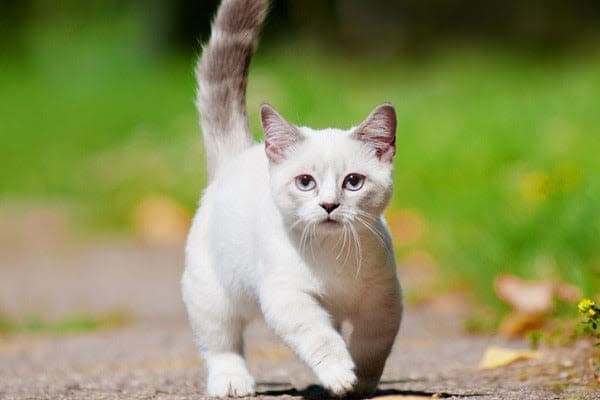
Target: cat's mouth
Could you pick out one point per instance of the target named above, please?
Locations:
(330, 222)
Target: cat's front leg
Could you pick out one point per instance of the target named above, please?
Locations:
(298, 318)
(374, 329)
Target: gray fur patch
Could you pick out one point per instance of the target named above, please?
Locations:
(226, 60)
(239, 15)
(223, 73)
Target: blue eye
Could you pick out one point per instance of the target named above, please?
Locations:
(305, 182)
(353, 182)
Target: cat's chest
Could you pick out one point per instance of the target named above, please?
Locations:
(342, 290)
(347, 286)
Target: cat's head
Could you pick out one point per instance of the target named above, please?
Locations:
(327, 178)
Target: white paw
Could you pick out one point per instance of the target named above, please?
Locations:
(338, 377)
(230, 384)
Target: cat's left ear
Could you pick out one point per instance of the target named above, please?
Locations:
(280, 135)
(379, 131)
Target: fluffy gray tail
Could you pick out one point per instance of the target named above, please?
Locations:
(222, 75)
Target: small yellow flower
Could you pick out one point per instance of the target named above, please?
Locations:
(535, 186)
(591, 312)
(585, 306)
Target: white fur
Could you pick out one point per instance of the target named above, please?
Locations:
(259, 247)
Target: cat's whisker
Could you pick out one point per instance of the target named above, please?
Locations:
(349, 235)
(313, 235)
(382, 240)
(264, 243)
(357, 249)
(303, 239)
(368, 216)
(369, 221)
(347, 244)
(342, 236)
(349, 249)
(296, 223)
(372, 229)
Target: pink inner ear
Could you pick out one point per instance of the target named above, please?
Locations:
(379, 131)
(279, 134)
(386, 146)
(273, 152)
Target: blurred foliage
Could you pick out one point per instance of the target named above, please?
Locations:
(69, 324)
(354, 25)
(497, 149)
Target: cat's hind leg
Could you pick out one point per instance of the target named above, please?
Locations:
(217, 329)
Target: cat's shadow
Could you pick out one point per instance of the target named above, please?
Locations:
(314, 392)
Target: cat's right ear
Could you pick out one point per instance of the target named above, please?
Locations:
(280, 135)
(379, 131)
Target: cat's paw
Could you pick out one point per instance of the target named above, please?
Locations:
(337, 377)
(230, 384)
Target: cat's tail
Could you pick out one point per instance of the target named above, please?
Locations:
(222, 74)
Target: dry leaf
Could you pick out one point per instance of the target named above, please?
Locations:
(419, 267)
(160, 220)
(568, 293)
(531, 301)
(518, 322)
(495, 357)
(534, 297)
(406, 226)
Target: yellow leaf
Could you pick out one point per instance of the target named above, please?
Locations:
(527, 296)
(407, 226)
(495, 357)
(160, 220)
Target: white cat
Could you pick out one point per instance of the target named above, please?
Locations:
(289, 230)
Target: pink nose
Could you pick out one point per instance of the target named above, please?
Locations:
(329, 207)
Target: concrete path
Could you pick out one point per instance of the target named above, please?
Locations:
(154, 358)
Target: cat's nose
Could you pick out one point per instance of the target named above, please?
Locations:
(329, 207)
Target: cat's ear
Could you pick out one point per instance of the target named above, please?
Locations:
(379, 131)
(280, 135)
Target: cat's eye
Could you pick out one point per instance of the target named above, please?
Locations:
(305, 182)
(353, 182)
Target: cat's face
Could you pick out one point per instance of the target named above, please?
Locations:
(329, 178)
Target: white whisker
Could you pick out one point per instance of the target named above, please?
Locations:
(357, 249)
(342, 236)
(298, 221)
(312, 236)
(303, 239)
(378, 235)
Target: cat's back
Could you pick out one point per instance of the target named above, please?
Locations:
(243, 180)
(239, 197)
(235, 211)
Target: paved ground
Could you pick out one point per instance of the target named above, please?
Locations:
(154, 358)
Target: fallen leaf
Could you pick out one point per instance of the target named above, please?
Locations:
(568, 293)
(534, 297)
(406, 226)
(531, 301)
(419, 268)
(495, 357)
(518, 323)
(160, 220)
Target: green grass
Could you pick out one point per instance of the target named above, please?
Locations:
(74, 323)
(498, 152)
